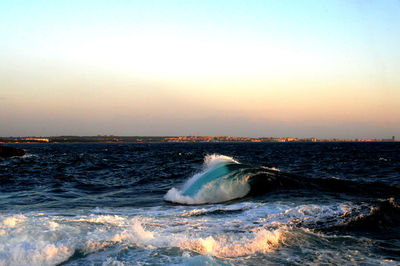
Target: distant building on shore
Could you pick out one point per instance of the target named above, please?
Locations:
(34, 139)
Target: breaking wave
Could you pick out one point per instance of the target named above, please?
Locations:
(223, 179)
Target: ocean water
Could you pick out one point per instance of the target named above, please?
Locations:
(201, 204)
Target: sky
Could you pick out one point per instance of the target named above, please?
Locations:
(321, 69)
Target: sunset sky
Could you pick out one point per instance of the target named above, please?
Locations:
(240, 68)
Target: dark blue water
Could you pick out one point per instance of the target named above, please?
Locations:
(280, 203)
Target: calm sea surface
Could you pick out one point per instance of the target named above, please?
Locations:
(197, 204)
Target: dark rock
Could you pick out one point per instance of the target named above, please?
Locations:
(6, 151)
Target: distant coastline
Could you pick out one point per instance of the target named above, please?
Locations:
(174, 139)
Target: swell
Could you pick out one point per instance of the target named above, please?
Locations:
(379, 220)
(378, 216)
(224, 179)
(268, 180)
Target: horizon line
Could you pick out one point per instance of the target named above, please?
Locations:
(198, 137)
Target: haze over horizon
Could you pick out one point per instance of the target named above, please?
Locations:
(325, 69)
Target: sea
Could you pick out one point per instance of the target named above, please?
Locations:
(201, 204)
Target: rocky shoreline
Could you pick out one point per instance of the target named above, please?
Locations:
(7, 151)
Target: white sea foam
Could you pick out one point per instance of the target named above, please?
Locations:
(14, 220)
(249, 228)
(224, 247)
(271, 168)
(49, 240)
(27, 241)
(210, 161)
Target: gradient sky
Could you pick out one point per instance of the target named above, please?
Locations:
(242, 68)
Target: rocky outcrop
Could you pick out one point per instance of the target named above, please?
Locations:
(6, 151)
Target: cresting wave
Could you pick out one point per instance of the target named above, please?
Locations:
(223, 179)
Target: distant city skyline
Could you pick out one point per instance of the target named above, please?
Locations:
(323, 69)
(174, 139)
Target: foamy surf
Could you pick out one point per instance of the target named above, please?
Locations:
(42, 239)
(175, 235)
